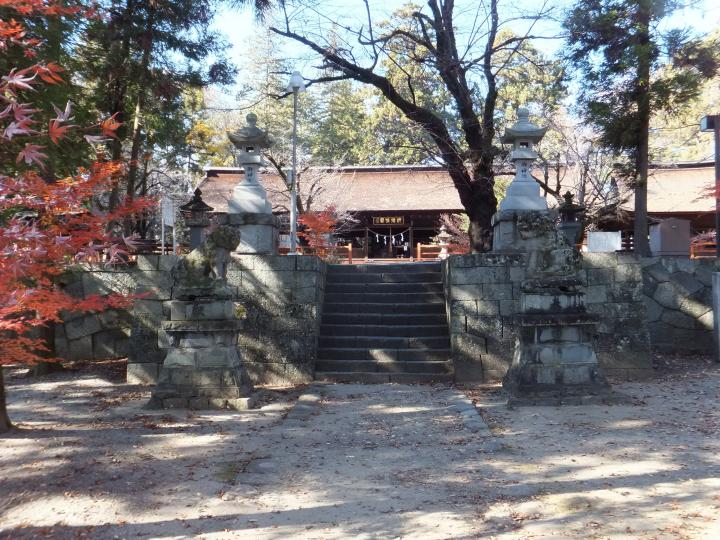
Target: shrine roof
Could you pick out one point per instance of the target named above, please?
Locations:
(354, 189)
(672, 188)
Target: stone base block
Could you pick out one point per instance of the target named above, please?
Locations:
(145, 374)
(200, 403)
(608, 398)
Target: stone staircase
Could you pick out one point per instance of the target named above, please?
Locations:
(384, 323)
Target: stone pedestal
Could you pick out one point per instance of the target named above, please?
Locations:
(202, 368)
(249, 197)
(554, 360)
(258, 232)
(521, 231)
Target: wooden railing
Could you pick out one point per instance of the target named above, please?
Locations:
(342, 251)
(431, 252)
(703, 250)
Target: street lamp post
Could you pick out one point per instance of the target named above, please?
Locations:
(296, 85)
(712, 123)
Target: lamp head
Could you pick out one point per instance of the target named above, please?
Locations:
(296, 83)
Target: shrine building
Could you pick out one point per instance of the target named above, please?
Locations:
(394, 208)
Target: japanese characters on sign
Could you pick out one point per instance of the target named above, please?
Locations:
(388, 220)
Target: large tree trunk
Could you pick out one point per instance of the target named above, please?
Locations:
(642, 162)
(5, 424)
(480, 211)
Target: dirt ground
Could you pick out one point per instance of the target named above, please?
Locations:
(363, 461)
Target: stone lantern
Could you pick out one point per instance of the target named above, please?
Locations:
(554, 359)
(248, 208)
(522, 198)
(443, 240)
(196, 217)
(570, 219)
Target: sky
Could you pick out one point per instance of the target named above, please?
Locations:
(238, 24)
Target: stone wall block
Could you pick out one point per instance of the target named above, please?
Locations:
(144, 374)
(153, 285)
(466, 292)
(309, 263)
(628, 272)
(167, 262)
(693, 306)
(516, 274)
(148, 262)
(599, 260)
(105, 344)
(497, 291)
(305, 295)
(703, 273)
(677, 319)
(75, 288)
(657, 272)
(80, 349)
(460, 308)
(600, 276)
(82, 326)
(653, 310)
(596, 294)
(180, 358)
(487, 259)
(487, 327)
(705, 321)
(666, 295)
(150, 309)
(61, 346)
(685, 284)
(683, 264)
(508, 308)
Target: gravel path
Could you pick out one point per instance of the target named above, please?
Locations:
(362, 461)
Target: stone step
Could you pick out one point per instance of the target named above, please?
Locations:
(404, 268)
(387, 277)
(399, 308)
(384, 288)
(383, 342)
(397, 330)
(384, 318)
(385, 355)
(374, 377)
(368, 366)
(386, 298)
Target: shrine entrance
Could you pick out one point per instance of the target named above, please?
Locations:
(390, 235)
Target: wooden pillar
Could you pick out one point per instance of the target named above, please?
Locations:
(367, 241)
(412, 245)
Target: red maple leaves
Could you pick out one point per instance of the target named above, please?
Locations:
(317, 229)
(46, 226)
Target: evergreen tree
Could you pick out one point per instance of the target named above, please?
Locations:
(617, 47)
(139, 64)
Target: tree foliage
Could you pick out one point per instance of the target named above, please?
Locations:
(46, 223)
(424, 44)
(630, 70)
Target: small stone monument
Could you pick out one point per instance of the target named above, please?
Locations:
(202, 368)
(554, 360)
(248, 207)
(670, 237)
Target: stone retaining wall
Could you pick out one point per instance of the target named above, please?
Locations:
(282, 297)
(118, 333)
(482, 294)
(677, 292)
